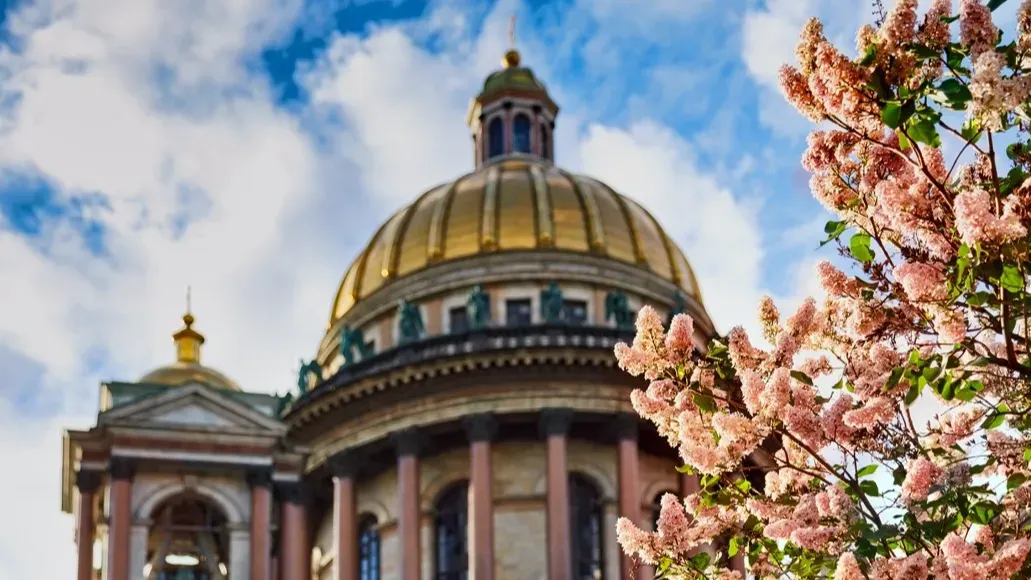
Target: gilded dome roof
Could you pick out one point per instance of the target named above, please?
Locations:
(515, 204)
(187, 368)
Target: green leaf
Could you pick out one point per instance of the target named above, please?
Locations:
(923, 52)
(704, 402)
(1015, 481)
(913, 393)
(949, 19)
(891, 114)
(700, 561)
(971, 130)
(685, 469)
(993, 421)
(870, 488)
(993, 4)
(923, 131)
(833, 229)
(869, 56)
(859, 245)
(1011, 278)
(801, 377)
(744, 485)
(868, 470)
(732, 549)
(956, 92)
(983, 512)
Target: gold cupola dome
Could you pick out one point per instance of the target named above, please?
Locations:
(187, 368)
(513, 205)
(516, 200)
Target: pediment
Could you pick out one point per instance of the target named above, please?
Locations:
(193, 407)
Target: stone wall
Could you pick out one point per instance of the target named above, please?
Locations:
(519, 504)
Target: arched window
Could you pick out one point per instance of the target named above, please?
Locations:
(521, 134)
(452, 516)
(495, 138)
(368, 548)
(585, 526)
(544, 142)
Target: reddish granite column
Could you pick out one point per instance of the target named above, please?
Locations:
(345, 517)
(87, 482)
(481, 429)
(293, 540)
(409, 516)
(260, 481)
(555, 423)
(629, 485)
(120, 519)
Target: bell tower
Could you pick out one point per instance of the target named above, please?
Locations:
(513, 115)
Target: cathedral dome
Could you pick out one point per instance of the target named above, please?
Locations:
(187, 368)
(516, 203)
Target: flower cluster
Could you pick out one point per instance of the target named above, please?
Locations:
(883, 433)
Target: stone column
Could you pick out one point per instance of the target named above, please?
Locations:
(240, 553)
(260, 481)
(293, 539)
(87, 482)
(138, 549)
(629, 484)
(555, 423)
(345, 517)
(481, 429)
(120, 519)
(409, 518)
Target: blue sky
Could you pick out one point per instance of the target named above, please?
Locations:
(250, 148)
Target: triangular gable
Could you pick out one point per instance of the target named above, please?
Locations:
(192, 407)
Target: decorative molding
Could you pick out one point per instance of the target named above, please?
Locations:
(481, 427)
(556, 421)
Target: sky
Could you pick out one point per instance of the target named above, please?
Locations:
(249, 148)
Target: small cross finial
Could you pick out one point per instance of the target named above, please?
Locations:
(512, 32)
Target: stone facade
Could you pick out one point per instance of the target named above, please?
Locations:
(519, 504)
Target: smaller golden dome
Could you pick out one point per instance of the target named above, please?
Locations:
(511, 59)
(187, 368)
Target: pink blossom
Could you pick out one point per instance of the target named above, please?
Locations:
(962, 559)
(921, 474)
(835, 282)
(913, 567)
(835, 503)
(769, 318)
(950, 326)
(922, 282)
(833, 423)
(743, 355)
(976, 30)
(993, 96)
(848, 568)
(1024, 25)
(813, 538)
(977, 224)
(810, 38)
(899, 28)
(636, 541)
(796, 91)
(959, 423)
(935, 33)
(982, 535)
(1009, 559)
(877, 411)
(679, 339)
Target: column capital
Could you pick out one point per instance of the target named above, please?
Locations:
(556, 421)
(407, 442)
(87, 480)
(121, 468)
(481, 427)
(294, 492)
(259, 477)
(626, 426)
(344, 464)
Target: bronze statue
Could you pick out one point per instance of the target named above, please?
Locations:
(350, 340)
(308, 370)
(478, 308)
(551, 303)
(617, 306)
(411, 326)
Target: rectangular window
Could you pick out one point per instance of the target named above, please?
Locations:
(458, 320)
(518, 312)
(574, 312)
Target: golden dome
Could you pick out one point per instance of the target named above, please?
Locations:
(187, 368)
(515, 204)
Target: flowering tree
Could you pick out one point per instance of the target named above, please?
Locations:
(886, 433)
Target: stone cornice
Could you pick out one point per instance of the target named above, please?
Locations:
(453, 354)
(481, 427)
